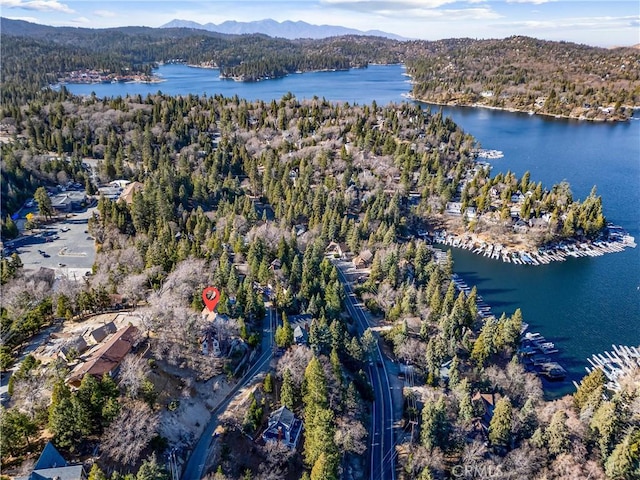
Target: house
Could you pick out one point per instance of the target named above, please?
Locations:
(283, 427)
(75, 346)
(69, 201)
(335, 249)
(102, 332)
(107, 358)
(110, 192)
(300, 335)
(128, 192)
(520, 227)
(363, 260)
(119, 183)
(454, 208)
(471, 213)
(275, 265)
(51, 465)
(487, 402)
(517, 197)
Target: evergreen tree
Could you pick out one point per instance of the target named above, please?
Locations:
(435, 426)
(500, 426)
(368, 342)
(151, 470)
(557, 434)
(284, 333)
(315, 385)
(267, 385)
(590, 390)
(605, 424)
(324, 468)
(624, 461)
(44, 202)
(287, 391)
(96, 473)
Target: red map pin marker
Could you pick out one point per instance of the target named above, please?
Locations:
(210, 297)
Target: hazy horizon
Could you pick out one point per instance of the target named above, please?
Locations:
(597, 23)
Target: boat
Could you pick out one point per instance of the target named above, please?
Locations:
(553, 371)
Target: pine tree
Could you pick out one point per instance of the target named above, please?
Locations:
(590, 390)
(500, 426)
(528, 419)
(287, 391)
(44, 202)
(624, 461)
(435, 426)
(557, 434)
(315, 385)
(96, 473)
(324, 468)
(151, 470)
(605, 424)
(267, 385)
(465, 407)
(284, 333)
(319, 435)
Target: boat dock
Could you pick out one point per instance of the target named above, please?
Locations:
(536, 354)
(615, 364)
(535, 351)
(616, 241)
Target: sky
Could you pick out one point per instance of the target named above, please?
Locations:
(600, 23)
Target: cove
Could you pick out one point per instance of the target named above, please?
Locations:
(583, 305)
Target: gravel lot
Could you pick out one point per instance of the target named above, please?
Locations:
(66, 248)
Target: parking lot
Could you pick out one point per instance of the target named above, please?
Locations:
(64, 246)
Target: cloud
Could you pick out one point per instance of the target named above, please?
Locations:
(39, 5)
(81, 20)
(105, 13)
(535, 2)
(385, 5)
(576, 23)
(416, 9)
(443, 15)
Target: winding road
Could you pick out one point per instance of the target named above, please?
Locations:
(195, 468)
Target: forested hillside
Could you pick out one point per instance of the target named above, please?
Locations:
(259, 198)
(520, 73)
(228, 183)
(525, 74)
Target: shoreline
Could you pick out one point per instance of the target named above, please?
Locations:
(556, 252)
(412, 97)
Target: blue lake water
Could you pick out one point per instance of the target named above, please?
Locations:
(584, 305)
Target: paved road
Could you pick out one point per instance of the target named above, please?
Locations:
(382, 449)
(197, 462)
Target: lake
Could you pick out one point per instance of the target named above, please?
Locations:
(583, 305)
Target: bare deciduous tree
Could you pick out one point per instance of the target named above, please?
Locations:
(130, 432)
(30, 393)
(133, 371)
(412, 351)
(350, 436)
(296, 360)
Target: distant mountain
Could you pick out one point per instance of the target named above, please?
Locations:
(287, 29)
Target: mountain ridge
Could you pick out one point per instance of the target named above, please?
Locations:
(288, 29)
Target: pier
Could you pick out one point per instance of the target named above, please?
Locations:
(615, 364)
(616, 241)
(535, 351)
(536, 354)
